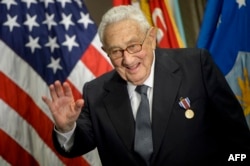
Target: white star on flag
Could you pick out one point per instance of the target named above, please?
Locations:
(33, 43)
(70, 42)
(11, 22)
(66, 21)
(85, 20)
(55, 64)
(50, 21)
(52, 44)
(31, 21)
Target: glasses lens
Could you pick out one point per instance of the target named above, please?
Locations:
(115, 54)
(134, 48)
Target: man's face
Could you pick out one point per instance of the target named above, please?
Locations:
(132, 67)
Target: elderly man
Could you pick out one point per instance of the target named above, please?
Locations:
(157, 107)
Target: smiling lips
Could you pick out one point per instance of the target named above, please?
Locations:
(132, 69)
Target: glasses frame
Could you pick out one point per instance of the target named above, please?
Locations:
(114, 57)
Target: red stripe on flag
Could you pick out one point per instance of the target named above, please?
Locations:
(121, 2)
(32, 114)
(92, 57)
(9, 150)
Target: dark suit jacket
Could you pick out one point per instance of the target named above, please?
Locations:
(217, 129)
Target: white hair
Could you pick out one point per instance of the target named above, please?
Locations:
(122, 12)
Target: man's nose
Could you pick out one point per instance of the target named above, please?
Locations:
(127, 57)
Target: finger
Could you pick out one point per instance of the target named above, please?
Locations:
(58, 88)
(47, 101)
(53, 92)
(67, 89)
(50, 105)
(79, 104)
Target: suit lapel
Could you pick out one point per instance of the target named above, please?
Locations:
(166, 83)
(119, 109)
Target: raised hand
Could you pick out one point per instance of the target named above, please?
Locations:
(65, 110)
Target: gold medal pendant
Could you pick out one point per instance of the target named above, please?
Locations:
(189, 114)
(185, 103)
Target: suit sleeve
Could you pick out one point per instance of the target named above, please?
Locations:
(230, 121)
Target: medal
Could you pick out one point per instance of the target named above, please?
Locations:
(185, 103)
(189, 114)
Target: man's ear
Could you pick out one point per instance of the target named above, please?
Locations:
(153, 36)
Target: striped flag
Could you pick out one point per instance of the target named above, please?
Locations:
(175, 13)
(40, 42)
(161, 18)
(225, 33)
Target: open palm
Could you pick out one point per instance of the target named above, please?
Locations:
(65, 110)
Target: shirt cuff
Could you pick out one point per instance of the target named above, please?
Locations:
(65, 139)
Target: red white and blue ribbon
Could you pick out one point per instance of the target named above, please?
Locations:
(185, 103)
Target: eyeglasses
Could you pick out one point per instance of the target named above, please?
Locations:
(133, 48)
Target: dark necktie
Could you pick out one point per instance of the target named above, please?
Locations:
(143, 134)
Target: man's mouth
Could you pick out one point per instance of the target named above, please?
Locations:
(133, 68)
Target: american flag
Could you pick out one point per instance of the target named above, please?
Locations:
(42, 41)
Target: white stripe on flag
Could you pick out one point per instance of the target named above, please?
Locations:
(4, 162)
